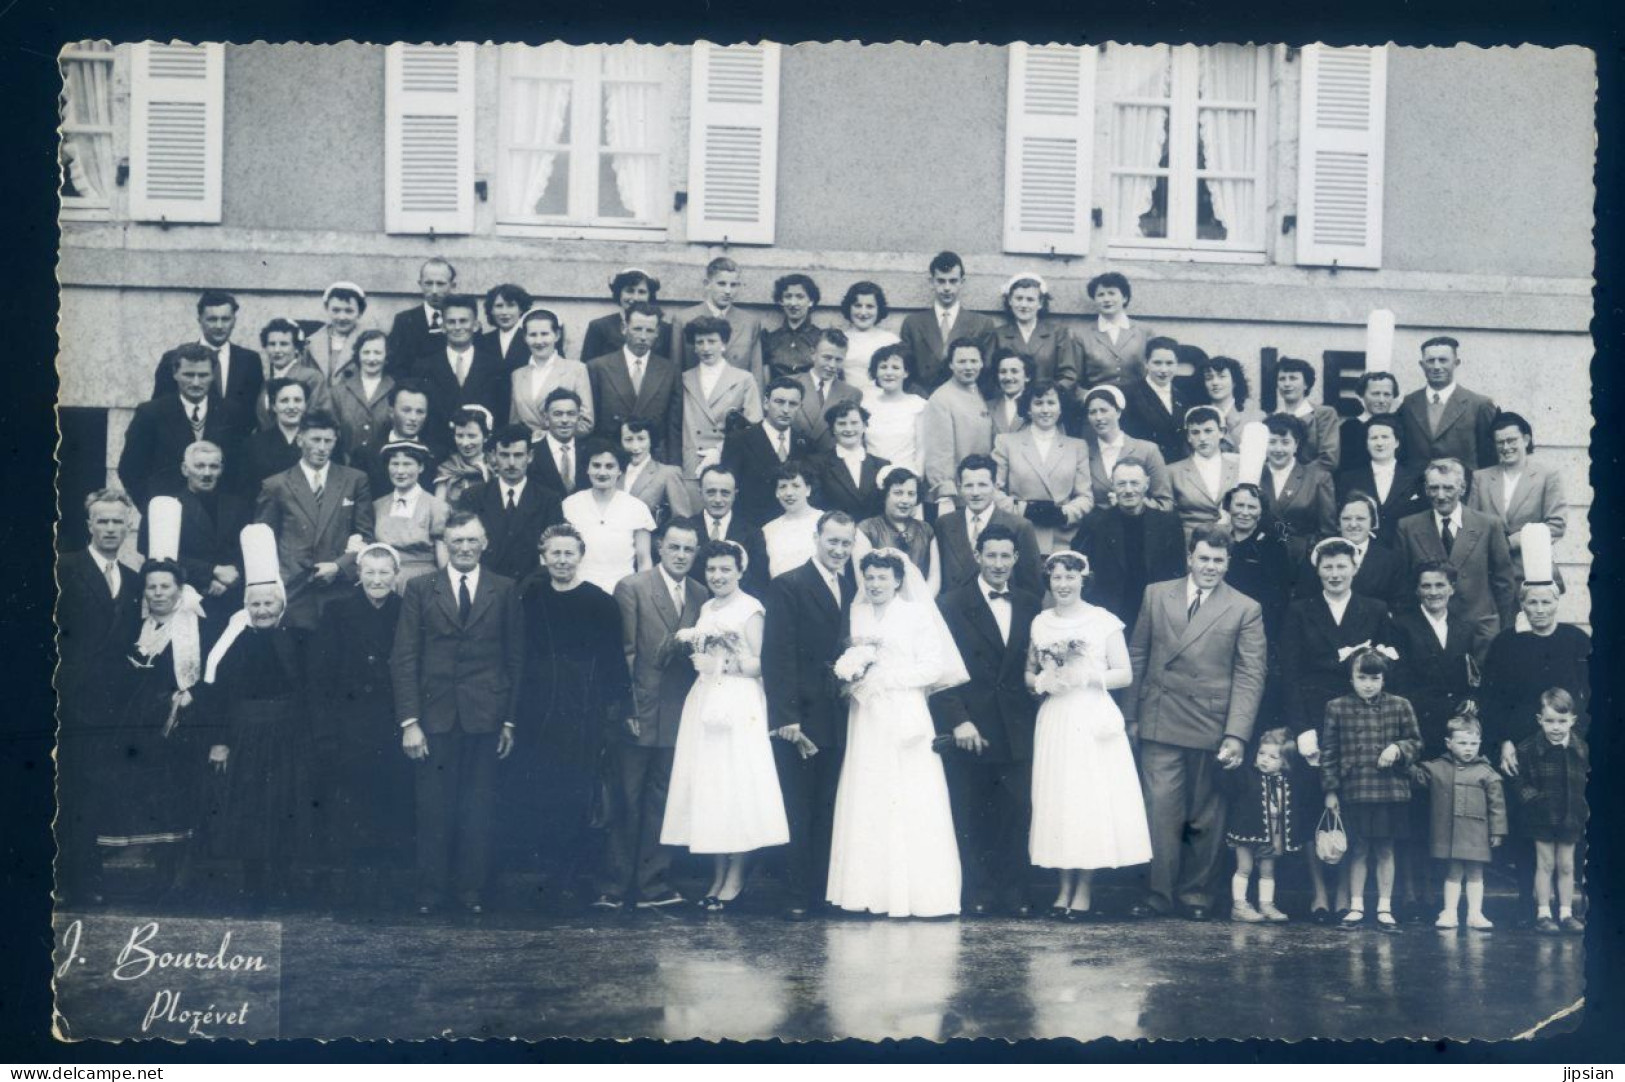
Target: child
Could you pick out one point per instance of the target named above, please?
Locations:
(1266, 820)
(1551, 787)
(1368, 741)
(1467, 815)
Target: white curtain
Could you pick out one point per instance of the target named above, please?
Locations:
(540, 107)
(632, 96)
(1230, 73)
(88, 156)
(1138, 71)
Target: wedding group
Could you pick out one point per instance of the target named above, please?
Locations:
(378, 619)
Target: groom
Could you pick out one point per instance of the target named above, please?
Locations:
(806, 622)
(991, 722)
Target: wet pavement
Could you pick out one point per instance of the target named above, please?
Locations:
(749, 976)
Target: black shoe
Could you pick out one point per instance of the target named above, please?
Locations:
(980, 909)
(1321, 915)
(1059, 912)
(1143, 911)
(797, 914)
(1198, 913)
(1019, 910)
(608, 901)
(1082, 916)
(662, 900)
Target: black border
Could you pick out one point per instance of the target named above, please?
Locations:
(31, 34)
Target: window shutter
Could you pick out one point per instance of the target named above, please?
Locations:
(429, 138)
(176, 106)
(733, 153)
(1049, 140)
(1340, 155)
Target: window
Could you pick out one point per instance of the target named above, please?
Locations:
(583, 137)
(86, 151)
(1186, 149)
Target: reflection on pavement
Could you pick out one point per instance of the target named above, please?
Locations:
(886, 978)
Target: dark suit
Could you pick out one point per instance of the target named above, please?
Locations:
(1405, 497)
(809, 423)
(545, 471)
(211, 531)
(1486, 585)
(754, 461)
(746, 536)
(1146, 418)
(157, 439)
(959, 559)
(1382, 575)
(661, 679)
(486, 384)
(922, 334)
(990, 792)
(1054, 353)
(659, 401)
(267, 453)
(410, 338)
(1311, 673)
(1436, 678)
(512, 536)
(460, 681)
(607, 334)
(1120, 568)
(489, 343)
(1305, 509)
(1351, 453)
(801, 639)
(1464, 430)
(836, 492)
(309, 533)
(241, 391)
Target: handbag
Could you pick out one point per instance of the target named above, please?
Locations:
(1044, 513)
(1331, 840)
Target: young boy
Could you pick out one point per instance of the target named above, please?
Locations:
(1551, 787)
(1467, 816)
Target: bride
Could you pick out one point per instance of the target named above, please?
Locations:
(893, 849)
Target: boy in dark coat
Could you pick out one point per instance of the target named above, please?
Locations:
(1551, 788)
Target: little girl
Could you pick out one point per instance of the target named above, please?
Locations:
(1551, 787)
(1266, 820)
(1467, 815)
(1368, 741)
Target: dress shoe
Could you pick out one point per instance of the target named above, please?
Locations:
(797, 914)
(1244, 913)
(1198, 913)
(662, 900)
(1059, 912)
(1273, 914)
(1143, 911)
(1573, 925)
(1548, 926)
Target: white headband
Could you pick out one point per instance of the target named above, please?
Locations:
(327, 293)
(1043, 287)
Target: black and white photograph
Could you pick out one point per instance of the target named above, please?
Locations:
(818, 541)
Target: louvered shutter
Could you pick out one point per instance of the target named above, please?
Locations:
(1340, 156)
(429, 138)
(733, 153)
(176, 106)
(1048, 148)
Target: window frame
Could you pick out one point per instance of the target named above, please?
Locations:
(79, 208)
(586, 127)
(1183, 106)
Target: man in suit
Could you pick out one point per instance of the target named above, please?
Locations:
(457, 663)
(719, 492)
(655, 605)
(321, 514)
(991, 721)
(606, 334)
(823, 387)
(238, 374)
(806, 617)
(1198, 655)
(421, 328)
(754, 454)
(513, 508)
(1129, 545)
(557, 463)
(636, 384)
(212, 520)
(456, 374)
(1379, 394)
(927, 334)
(408, 418)
(1445, 419)
(1154, 407)
(957, 532)
(743, 345)
(162, 429)
(97, 610)
(1114, 347)
(1473, 543)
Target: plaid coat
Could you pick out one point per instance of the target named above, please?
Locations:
(1354, 736)
(1466, 807)
(1551, 787)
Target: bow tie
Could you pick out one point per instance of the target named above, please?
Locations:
(998, 595)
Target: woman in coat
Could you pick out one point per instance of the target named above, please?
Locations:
(1108, 444)
(1518, 490)
(284, 345)
(331, 347)
(1322, 440)
(1227, 392)
(712, 390)
(1298, 495)
(1043, 474)
(546, 371)
(1380, 573)
(847, 477)
(658, 485)
(1010, 374)
(607, 334)
(360, 394)
(1396, 487)
(1031, 333)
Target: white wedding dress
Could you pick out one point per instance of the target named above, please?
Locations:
(893, 849)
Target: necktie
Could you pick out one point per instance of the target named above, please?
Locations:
(321, 486)
(197, 421)
(511, 500)
(1447, 537)
(716, 530)
(945, 322)
(110, 573)
(461, 367)
(818, 398)
(998, 595)
(567, 469)
(975, 529)
(784, 446)
(1196, 603)
(637, 376)
(400, 504)
(464, 601)
(434, 320)
(677, 598)
(1435, 412)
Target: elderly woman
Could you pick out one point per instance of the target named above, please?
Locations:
(607, 334)
(1114, 347)
(272, 449)
(546, 371)
(614, 525)
(149, 781)
(1009, 374)
(332, 346)
(1397, 488)
(847, 477)
(1103, 410)
(370, 802)
(1297, 495)
(284, 345)
(788, 349)
(864, 308)
(895, 415)
(1227, 392)
(465, 469)
(1032, 334)
(504, 304)
(899, 527)
(1321, 445)
(410, 519)
(1044, 474)
(1517, 489)
(360, 394)
(1380, 572)
(658, 485)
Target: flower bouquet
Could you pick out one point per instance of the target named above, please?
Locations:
(1057, 672)
(855, 662)
(708, 648)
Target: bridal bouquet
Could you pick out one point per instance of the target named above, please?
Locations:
(855, 662)
(708, 648)
(1057, 671)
